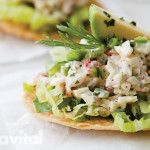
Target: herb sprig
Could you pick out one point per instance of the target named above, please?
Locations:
(69, 35)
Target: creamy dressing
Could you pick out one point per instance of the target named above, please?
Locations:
(127, 74)
(127, 71)
(119, 102)
(85, 94)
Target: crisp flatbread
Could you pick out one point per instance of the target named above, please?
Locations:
(24, 32)
(101, 124)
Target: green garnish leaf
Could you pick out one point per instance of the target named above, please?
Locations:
(69, 34)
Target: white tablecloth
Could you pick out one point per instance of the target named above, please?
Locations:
(19, 130)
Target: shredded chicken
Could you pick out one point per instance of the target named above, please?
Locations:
(128, 71)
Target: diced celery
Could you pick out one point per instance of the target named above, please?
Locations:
(95, 53)
(56, 68)
(76, 55)
(113, 42)
(65, 70)
(59, 54)
(49, 87)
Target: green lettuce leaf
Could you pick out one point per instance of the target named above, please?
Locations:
(42, 106)
(123, 122)
(72, 102)
(142, 106)
(28, 87)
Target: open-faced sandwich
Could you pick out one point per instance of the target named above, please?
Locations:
(101, 83)
(31, 19)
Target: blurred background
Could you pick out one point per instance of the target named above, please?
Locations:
(21, 60)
